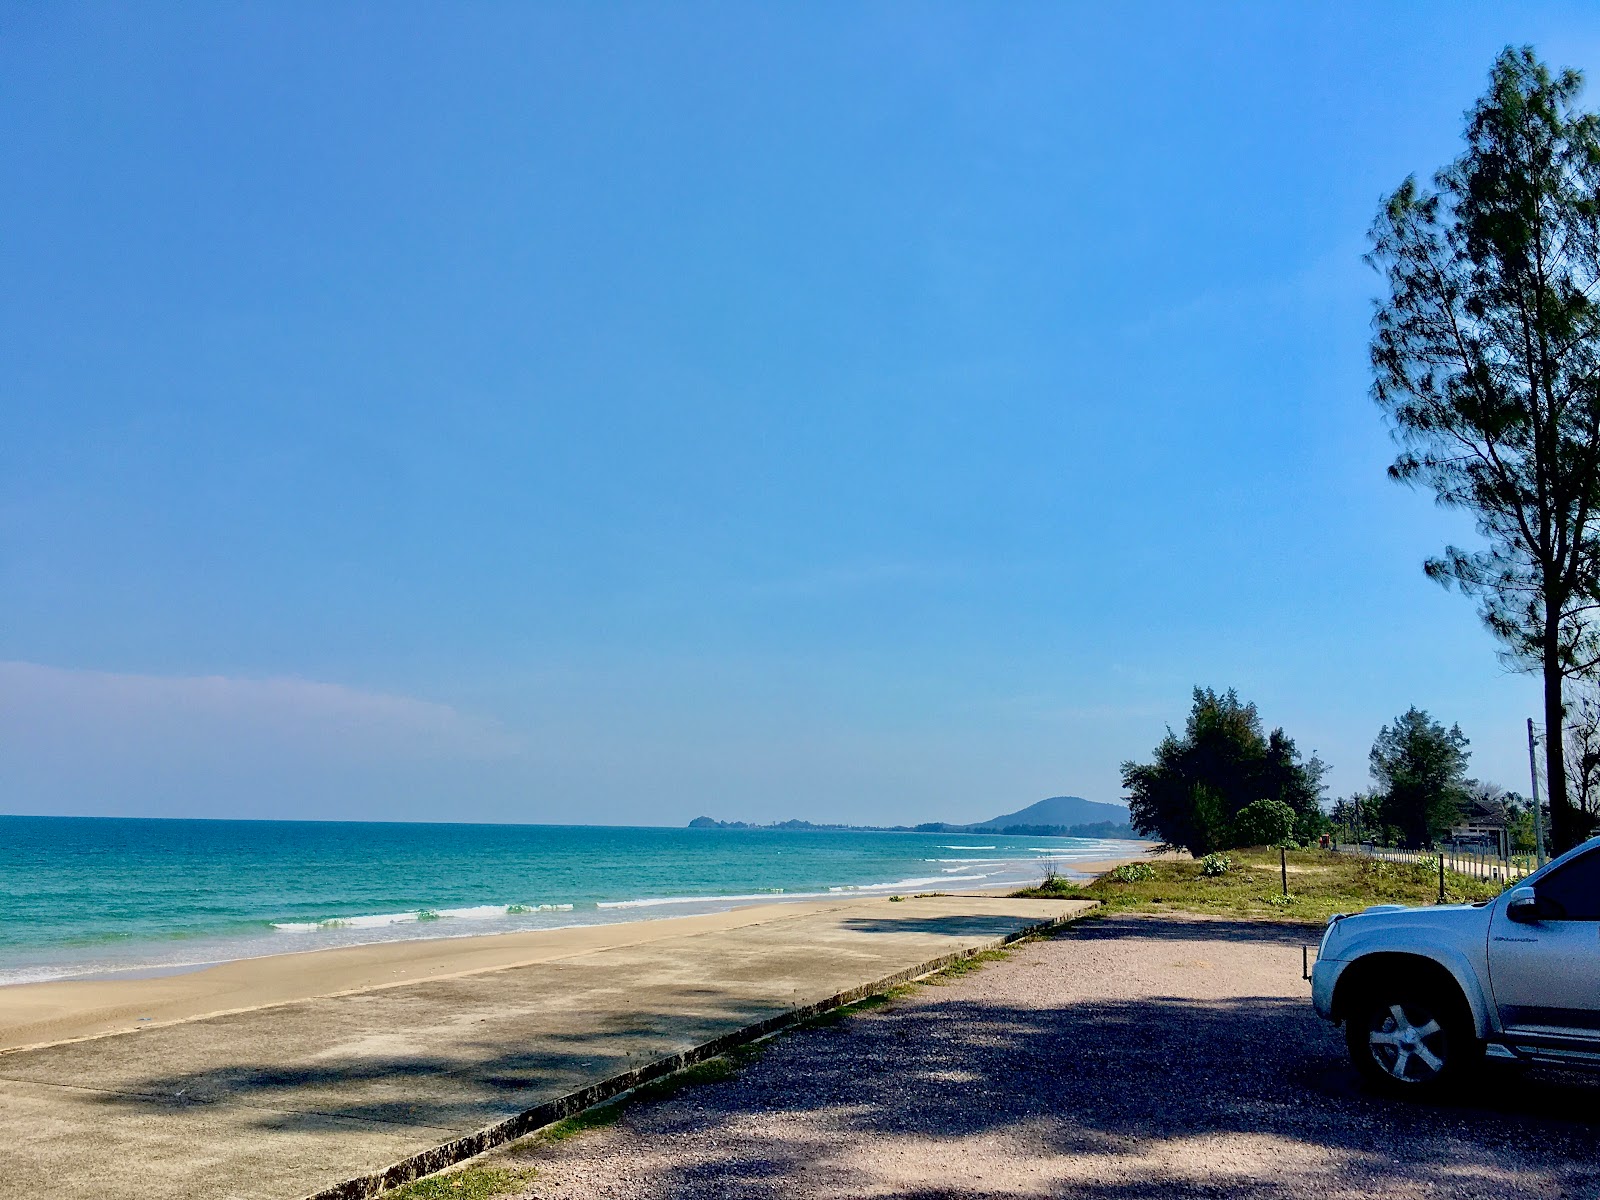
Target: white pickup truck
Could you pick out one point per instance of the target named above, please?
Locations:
(1426, 993)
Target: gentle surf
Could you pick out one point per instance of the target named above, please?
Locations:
(87, 897)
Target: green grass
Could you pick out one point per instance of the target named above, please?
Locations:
(712, 1070)
(967, 965)
(476, 1182)
(1320, 884)
(866, 1004)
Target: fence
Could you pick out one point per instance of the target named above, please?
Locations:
(1472, 860)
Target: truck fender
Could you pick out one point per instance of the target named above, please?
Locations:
(1467, 975)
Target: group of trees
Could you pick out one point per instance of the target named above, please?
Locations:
(1422, 789)
(1226, 782)
(1486, 364)
(1370, 816)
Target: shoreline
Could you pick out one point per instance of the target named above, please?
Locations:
(340, 1096)
(53, 1011)
(157, 958)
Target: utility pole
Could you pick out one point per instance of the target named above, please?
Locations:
(1538, 813)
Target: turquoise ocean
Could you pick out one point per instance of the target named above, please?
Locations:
(100, 896)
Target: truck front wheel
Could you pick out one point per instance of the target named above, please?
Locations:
(1410, 1037)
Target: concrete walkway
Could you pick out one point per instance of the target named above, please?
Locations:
(327, 1095)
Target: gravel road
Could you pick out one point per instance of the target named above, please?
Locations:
(1130, 1057)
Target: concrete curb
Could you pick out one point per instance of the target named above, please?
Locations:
(473, 1144)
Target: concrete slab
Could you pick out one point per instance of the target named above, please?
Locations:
(342, 1094)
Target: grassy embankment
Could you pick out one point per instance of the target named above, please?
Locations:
(1320, 884)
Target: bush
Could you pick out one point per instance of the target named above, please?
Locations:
(1215, 864)
(1263, 823)
(1133, 873)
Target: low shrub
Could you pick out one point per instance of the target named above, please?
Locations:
(1054, 888)
(1213, 865)
(1134, 872)
(1263, 823)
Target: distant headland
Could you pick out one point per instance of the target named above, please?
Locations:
(1058, 816)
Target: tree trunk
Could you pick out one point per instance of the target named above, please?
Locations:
(1565, 826)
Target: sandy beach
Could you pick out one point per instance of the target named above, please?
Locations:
(39, 1013)
(281, 1076)
(338, 1095)
(42, 1013)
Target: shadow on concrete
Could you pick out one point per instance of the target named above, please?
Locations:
(958, 925)
(467, 1085)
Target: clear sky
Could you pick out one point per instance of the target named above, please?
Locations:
(613, 413)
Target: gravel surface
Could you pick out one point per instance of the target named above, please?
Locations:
(1129, 1057)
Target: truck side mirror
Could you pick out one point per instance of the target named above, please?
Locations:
(1522, 906)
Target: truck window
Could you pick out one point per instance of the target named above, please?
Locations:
(1573, 892)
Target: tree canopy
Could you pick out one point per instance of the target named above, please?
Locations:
(1263, 823)
(1421, 771)
(1486, 361)
(1193, 791)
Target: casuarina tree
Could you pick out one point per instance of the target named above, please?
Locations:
(1486, 357)
(1192, 792)
(1421, 771)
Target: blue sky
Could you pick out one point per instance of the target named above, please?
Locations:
(620, 412)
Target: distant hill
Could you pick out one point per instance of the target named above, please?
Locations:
(1058, 810)
(1059, 816)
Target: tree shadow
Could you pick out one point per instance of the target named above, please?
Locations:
(1123, 1089)
(1196, 928)
(462, 1086)
(956, 925)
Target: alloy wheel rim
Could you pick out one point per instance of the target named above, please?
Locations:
(1400, 1045)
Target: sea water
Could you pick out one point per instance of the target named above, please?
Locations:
(89, 896)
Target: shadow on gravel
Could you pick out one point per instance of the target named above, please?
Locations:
(1197, 929)
(1167, 1097)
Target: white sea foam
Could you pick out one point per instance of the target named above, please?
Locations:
(368, 921)
(653, 901)
(973, 862)
(903, 883)
(842, 889)
(1066, 850)
(480, 912)
(967, 847)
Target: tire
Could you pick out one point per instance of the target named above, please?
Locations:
(1411, 1037)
